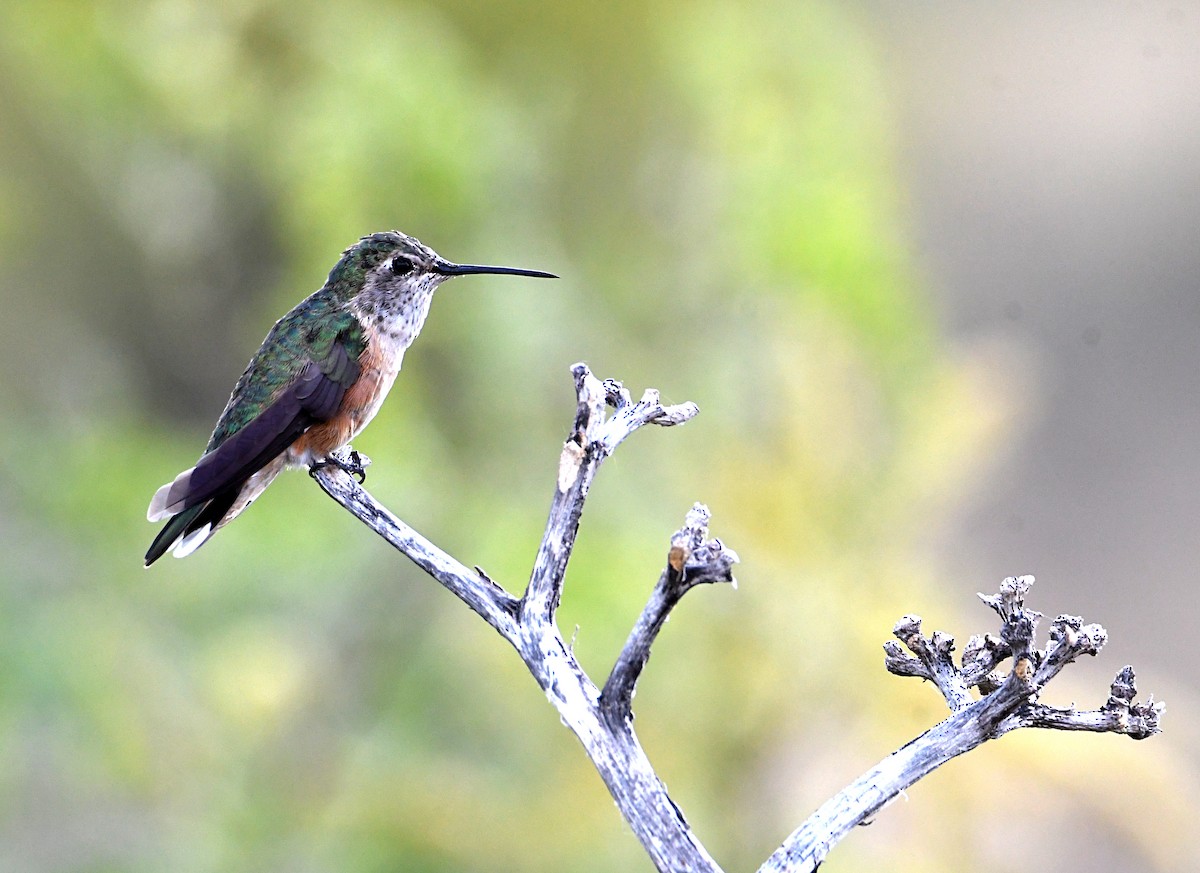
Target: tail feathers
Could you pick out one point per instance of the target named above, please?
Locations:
(189, 542)
(168, 499)
(191, 529)
(173, 531)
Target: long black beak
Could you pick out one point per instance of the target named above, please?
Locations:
(448, 269)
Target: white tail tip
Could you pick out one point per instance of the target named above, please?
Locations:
(192, 541)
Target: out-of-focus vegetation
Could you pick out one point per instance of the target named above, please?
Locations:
(714, 182)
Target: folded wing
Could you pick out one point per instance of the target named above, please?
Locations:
(194, 498)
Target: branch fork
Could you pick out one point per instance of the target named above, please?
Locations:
(602, 718)
(1032, 668)
(599, 719)
(1008, 702)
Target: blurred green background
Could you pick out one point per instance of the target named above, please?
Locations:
(929, 273)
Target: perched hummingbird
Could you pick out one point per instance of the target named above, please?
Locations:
(318, 379)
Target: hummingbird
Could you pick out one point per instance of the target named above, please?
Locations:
(318, 379)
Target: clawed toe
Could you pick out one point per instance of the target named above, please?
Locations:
(347, 460)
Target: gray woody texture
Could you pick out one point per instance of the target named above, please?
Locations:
(602, 719)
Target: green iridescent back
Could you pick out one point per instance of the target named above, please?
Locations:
(307, 333)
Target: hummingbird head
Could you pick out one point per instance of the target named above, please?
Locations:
(392, 265)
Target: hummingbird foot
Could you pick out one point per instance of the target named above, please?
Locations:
(345, 459)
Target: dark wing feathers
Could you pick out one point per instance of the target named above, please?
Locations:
(339, 365)
(313, 397)
(251, 448)
(320, 341)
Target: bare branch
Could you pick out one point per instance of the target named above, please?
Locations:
(693, 560)
(497, 607)
(603, 720)
(1118, 716)
(529, 626)
(980, 657)
(933, 660)
(593, 438)
(1009, 702)
(1069, 639)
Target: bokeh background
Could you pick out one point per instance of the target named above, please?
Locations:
(929, 271)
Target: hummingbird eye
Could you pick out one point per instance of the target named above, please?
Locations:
(401, 266)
